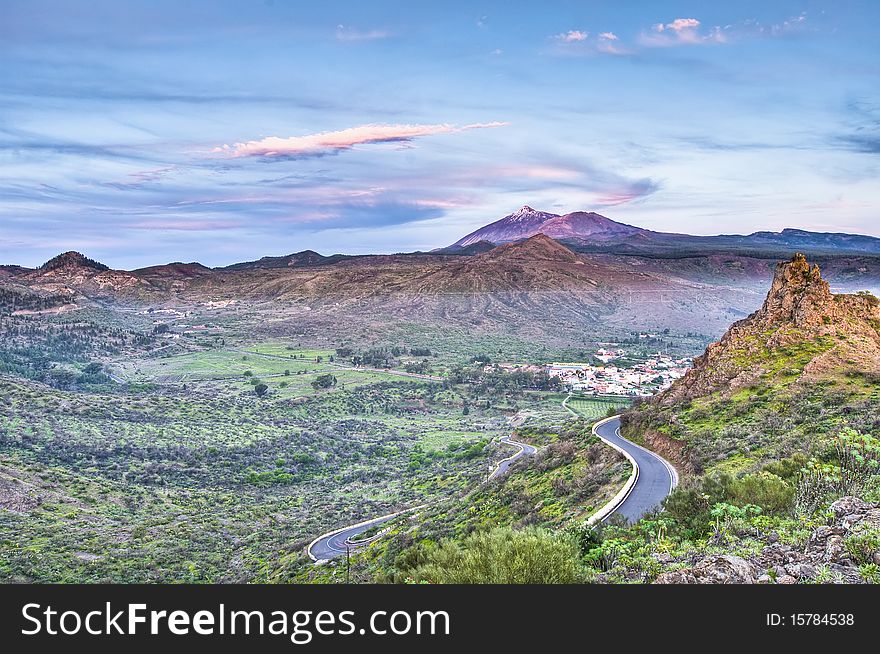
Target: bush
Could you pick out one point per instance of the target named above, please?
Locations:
(690, 504)
(499, 556)
(324, 381)
(773, 494)
(863, 545)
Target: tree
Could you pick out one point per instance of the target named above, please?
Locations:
(324, 381)
(260, 389)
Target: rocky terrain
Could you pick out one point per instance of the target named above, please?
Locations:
(799, 315)
(830, 554)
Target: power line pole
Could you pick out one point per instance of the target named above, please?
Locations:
(347, 563)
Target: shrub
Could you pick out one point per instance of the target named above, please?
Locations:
(772, 493)
(500, 556)
(324, 381)
(863, 545)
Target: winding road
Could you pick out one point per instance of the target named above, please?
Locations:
(654, 476)
(524, 449)
(652, 479)
(338, 542)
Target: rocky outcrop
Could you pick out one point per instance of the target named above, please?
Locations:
(799, 311)
(716, 569)
(824, 558)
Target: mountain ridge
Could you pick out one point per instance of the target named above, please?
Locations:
(800, 321)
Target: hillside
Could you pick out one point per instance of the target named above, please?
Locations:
(539, 284)
(805, 363)
(802, 331)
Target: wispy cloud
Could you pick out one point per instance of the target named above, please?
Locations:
(324, 143)
(629, 192)
(863, 128)
(690, 31)
(348, 33)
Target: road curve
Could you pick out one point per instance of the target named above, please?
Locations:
(335, 543)
(654, 476)
(523, 449)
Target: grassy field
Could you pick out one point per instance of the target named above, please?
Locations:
(593, 408)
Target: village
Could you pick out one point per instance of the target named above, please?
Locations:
(634, 376)
(642, 378)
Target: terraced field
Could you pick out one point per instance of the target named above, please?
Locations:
(593, 408)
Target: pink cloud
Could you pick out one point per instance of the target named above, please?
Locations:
(678, 25)
(328, 142)
(682, 31)
(608, 36)
(572, 36)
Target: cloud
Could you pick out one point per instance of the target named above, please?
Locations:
(579, 43)
(681, 31)
(629, 192)
(863, 128)
(690, 31)
(572, 36)
(348, 33)
(678, 25)
(323, 143)
(864, 143)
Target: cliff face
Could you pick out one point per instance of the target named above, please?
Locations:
(802, 332)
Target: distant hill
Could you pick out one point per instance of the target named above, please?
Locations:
(302, 259)
(72, 260)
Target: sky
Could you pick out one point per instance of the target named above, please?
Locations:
(146, 132)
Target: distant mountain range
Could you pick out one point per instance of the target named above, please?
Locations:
(531, 270)
(592, 232)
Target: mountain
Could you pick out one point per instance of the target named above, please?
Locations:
(73, 272)
(527, 222)
(590, 232)
(534, 283)
(801, 331)
(803, 366)
(816, 241)
(303, 259)
(72, 261)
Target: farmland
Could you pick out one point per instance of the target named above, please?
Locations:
(593, 408)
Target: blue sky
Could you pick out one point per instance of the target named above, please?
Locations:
(146, 132)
